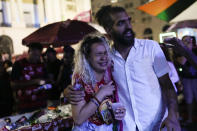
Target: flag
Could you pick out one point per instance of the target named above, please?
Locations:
(166, 9)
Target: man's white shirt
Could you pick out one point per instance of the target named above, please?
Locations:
(138, 86)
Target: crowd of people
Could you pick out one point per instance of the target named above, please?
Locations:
(185, 61)
(131, 85)
(34, 81)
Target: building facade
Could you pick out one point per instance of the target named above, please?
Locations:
(19, 18)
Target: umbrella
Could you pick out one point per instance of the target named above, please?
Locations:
(60, 33)
(171, 10)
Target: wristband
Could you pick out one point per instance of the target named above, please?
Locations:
(97, 100)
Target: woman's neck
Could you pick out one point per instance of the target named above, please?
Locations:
(99, 76)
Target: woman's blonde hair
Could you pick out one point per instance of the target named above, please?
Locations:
(82, 65)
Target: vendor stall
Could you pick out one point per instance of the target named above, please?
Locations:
(53, 119)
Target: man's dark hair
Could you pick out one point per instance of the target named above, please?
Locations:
(103, 16)
(33, 46)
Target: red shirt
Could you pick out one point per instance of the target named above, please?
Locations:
(90, 92)
(28, 98)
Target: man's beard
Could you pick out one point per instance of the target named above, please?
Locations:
(123, 39)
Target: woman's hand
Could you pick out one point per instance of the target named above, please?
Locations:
(119, 113)
(105, 90)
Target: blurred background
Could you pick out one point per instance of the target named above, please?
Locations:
(19, 18)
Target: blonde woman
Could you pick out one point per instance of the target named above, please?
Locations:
(92, 73)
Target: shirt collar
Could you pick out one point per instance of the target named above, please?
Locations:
(137, 44)
(113, 50)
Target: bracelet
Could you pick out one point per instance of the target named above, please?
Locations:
(95, 102)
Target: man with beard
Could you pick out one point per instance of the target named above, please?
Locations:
(141, 74)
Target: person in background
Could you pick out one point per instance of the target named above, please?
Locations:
(172, 73)
(53, 66)
(188, 75)
(194, 49)
(180, 48)
(92, 73)
(6, 93)
(66, 68)
(5, 56)
(27, 75)
(8, 66)
(141, 74)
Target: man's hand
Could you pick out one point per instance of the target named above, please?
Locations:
(171, 123)
(73, 96)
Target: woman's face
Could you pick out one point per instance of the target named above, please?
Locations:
(98, 57)
(188, 42)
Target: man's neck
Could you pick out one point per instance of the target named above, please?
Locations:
(123, 50)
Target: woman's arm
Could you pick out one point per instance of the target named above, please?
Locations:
(83, 110)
